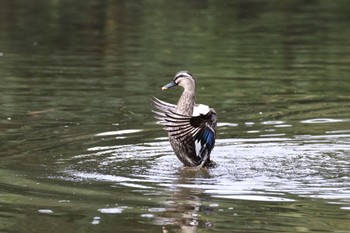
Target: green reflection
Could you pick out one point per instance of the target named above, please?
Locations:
(73, 70)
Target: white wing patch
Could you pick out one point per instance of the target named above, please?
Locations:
(198, 146)
(200, 109)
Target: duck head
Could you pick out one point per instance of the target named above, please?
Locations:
(184, 79)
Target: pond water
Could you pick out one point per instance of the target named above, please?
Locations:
(81, 152)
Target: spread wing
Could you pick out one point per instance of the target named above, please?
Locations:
(200, 129)
(162, 105)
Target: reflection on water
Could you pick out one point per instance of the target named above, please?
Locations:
(298, 165)
(267, 169)
(81, 151)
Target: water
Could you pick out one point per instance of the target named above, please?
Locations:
(81, 151)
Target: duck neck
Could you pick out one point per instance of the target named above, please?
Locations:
(186, 103)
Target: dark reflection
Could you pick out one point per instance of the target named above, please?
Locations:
(185, 207)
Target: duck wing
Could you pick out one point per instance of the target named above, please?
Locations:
(162, 105)
(200, 129)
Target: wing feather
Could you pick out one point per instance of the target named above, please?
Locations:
(189, 129)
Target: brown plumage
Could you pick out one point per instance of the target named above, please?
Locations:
(191, 127)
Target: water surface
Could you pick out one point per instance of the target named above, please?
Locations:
(81, 151)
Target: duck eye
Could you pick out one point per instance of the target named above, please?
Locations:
(178, 79)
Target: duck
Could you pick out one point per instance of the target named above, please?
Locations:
(191, 127)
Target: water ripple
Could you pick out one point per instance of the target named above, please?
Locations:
(323, 121)
(259, 169)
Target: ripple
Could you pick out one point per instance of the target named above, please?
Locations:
(338, 132)
(253, 131)
(226, 124)
(305, 165)
(272, 122)
(255, 198)
(96, 220)
(283, 126)
(147, 215)
(45, 211)
(114, 210)
(273, 135)
(323, 121)
(119, 132)
(157, 210)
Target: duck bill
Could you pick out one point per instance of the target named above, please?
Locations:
(169, 85)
